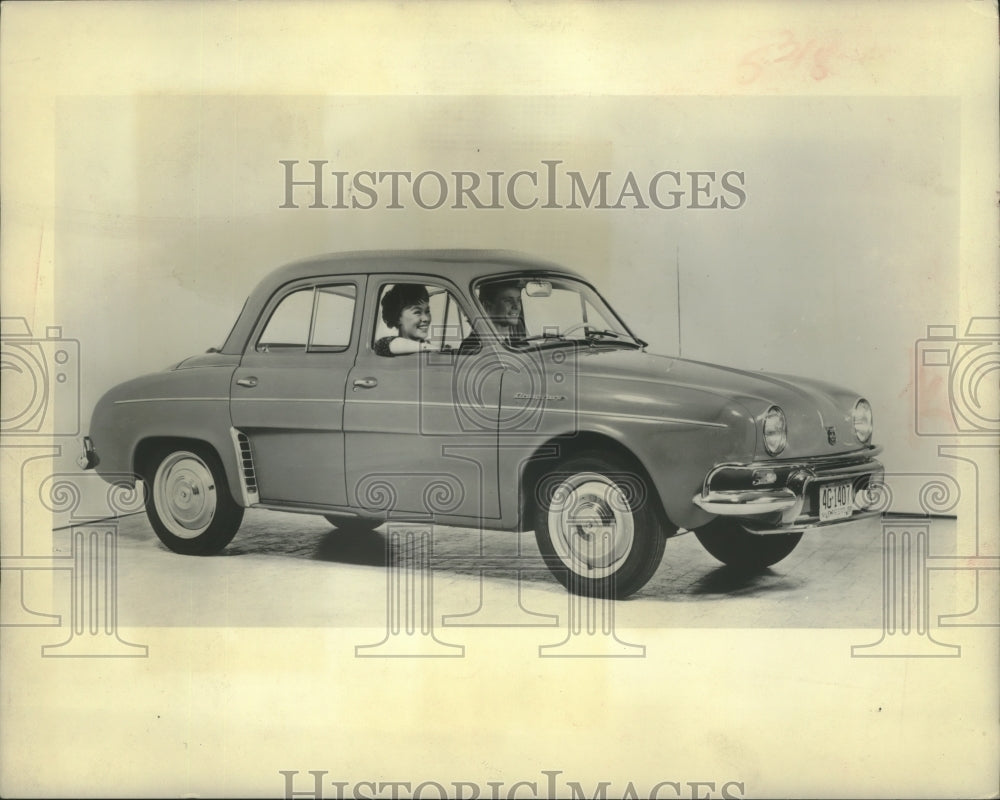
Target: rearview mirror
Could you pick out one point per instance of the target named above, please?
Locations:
(538, 288)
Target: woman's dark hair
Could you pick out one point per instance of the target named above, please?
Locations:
(399, 297)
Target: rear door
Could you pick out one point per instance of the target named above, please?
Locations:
(287, 395)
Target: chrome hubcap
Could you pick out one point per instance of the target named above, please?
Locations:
(591, 525)
(184, 491)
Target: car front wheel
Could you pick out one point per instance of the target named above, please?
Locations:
(597, 527)
(739, 548)
(189, 504)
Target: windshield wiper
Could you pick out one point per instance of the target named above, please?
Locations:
(537, 336)
(546, 341)
(593, 335)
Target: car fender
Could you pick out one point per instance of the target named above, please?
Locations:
(675, 453)
(189, 404)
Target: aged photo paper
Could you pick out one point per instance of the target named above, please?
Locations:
(806, 189)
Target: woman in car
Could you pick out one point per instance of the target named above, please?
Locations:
(405, 307)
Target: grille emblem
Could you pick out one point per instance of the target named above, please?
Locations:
(831, 435)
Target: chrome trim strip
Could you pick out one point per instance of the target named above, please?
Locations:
(641, 417)
(656, 381)
(371, 401)
(601, 414)
(312, 508)
(172, 399)
(286, 400)
(366, 401)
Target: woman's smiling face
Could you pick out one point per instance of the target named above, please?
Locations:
(415, 321)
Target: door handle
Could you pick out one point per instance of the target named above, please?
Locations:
(248, 382)
(365, 383)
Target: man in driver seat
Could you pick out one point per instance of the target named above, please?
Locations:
(502, 301)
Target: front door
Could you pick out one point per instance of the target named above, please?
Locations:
(421, 428)
(287, 395)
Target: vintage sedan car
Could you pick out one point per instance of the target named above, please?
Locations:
(526, 404)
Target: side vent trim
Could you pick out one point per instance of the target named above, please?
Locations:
(248, 474)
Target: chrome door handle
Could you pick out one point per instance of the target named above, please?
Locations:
(249, 382)
(365, 383)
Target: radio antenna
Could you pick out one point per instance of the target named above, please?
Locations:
(677, 261)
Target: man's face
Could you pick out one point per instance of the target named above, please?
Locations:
(505, 308)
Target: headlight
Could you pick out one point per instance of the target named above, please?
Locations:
(775, 430)
(863, 421)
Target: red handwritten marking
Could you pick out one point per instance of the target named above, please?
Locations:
(788, 53)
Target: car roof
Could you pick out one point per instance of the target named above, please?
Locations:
(459, 266)
(452, 264)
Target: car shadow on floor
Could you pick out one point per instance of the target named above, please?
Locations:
(374, 549)
(494, 555)
(732, 581)
(366, 549)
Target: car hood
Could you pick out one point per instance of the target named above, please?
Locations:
(812, 407)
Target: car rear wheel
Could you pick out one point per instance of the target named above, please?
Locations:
(739, 548)
(189, 504)
(352, 524)
(598, 528)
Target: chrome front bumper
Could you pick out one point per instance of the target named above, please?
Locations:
(783, 496)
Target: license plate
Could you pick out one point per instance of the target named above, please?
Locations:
(836, 501)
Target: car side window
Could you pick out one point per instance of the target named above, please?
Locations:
(333, 316)
(314, 319)
(449, 323)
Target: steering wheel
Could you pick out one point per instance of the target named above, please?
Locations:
(561, 335)
(576, 327)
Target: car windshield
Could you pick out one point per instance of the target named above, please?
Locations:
(540, 310)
